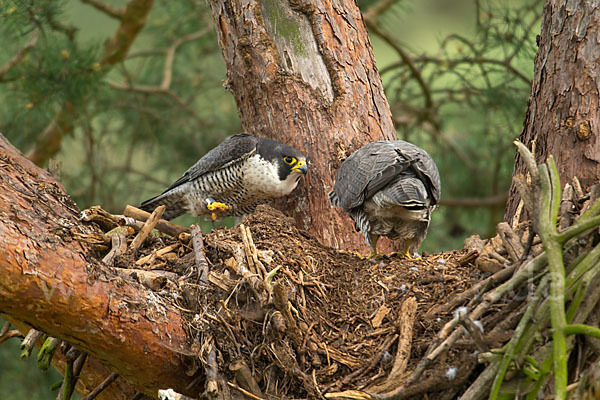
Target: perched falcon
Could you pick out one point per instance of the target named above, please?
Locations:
(233, 178)
(389, 188)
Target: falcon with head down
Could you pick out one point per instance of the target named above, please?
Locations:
(233, 178)
(389, 188)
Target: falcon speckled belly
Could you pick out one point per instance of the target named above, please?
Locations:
(233, 178)
(389, 188)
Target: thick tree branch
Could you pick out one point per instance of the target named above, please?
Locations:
(132, 21)
(42, 263)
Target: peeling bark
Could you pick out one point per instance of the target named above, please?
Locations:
(51, 282)
(303, 72)
(563, 113)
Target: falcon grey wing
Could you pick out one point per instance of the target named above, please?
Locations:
(233, 178)
(389, 188)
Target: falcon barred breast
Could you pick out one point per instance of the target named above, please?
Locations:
(389, 188)
(233, 178)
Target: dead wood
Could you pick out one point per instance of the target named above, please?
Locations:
(119, 247)
(278, 315)
(479, 287)
(147, 228)
(105, 383)
(107, 221)
(244, 377)
(474, 331)
(29, 341)
(199, 254)
(7, 333)
(212, 374)
(510, 241)
(480, 389)
(162, 225)
(155, 280)
(405, 335)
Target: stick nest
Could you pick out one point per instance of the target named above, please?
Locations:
(301, 318)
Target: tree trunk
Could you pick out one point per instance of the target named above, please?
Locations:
(563, 113)
(50, 280)
(303, 72)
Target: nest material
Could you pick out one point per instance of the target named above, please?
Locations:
(301, 319)
(323, 311)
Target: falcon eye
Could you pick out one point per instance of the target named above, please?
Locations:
(289, 160)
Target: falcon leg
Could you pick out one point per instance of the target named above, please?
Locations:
(373, 246)
(405, 252)
(216, 207)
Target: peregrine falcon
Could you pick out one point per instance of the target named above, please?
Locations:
(389, 188)
(233, 178)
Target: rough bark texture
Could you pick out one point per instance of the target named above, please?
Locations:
(49, 281)
(303, 72)
(564, 106)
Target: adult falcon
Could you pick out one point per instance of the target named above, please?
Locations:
(389, 188)
(233, 178)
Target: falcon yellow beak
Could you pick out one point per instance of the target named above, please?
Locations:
(300, 167)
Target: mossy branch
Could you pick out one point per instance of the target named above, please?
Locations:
(548, 215)
(516, 344)
(47, 352)
(582, 329)
(545, 193)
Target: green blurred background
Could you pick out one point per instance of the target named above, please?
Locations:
(122, 145)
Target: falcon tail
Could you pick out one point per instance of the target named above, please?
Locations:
(174, 202)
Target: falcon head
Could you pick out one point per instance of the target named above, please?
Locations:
(276, 168)
(288, 161)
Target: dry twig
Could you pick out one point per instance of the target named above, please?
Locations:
(147, 228)
(162, 225)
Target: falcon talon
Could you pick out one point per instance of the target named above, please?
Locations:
(216, 206)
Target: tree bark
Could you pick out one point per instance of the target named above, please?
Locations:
(303, 72)
(50, 280)
(563, 113)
